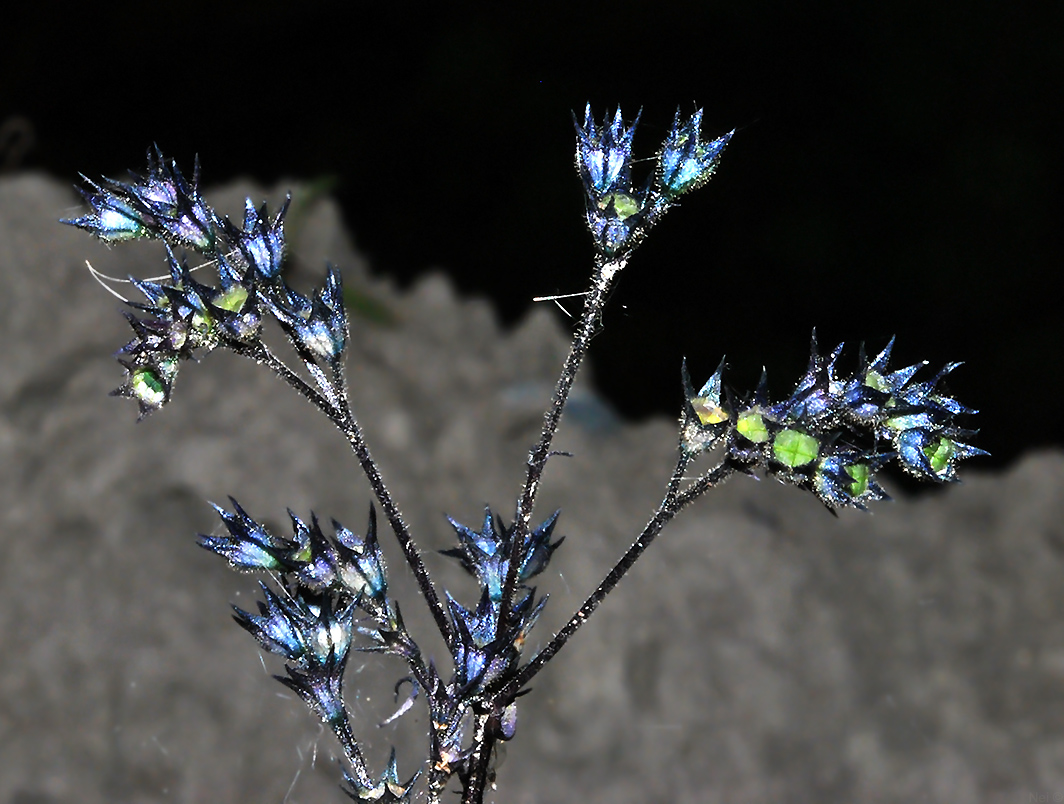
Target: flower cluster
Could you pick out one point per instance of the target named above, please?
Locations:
(324, 581)
(184, 318)
(833, 433)
(484, 649)
(486, 554)
(307, 630)
(618, 214)
(161, 205)
(346, 564)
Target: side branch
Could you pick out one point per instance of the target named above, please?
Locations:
(402, 533)
(344, 419)
(671, 505)
(260, 353)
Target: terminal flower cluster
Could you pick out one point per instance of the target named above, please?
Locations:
(620, 214)
(183, 318)
(833, 433)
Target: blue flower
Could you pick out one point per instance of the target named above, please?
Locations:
(685, 163)
(321, 688)
(261, 242)
(475, 653)
(362, 568)
(386, 791)
(707, 414)
(161, 205)
(302, 626)
(604, 156)
(932, 453)
(847, 479)
(274, 627)
(249, 546)
(113, 219)
(481, 654)
(318, 327)
(314, 559)
(615, 212)
(816, 398)
(486, 555)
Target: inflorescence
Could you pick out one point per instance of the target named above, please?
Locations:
(183, 318)
(833, 433)
(330, 594)
(326, 580)
(618, 214)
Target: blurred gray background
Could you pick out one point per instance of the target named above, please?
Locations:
(763, 651)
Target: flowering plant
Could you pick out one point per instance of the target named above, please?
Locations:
(330, 592)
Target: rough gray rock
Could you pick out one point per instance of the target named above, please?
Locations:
(762, 651)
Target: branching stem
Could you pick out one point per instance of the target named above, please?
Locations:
(673, 502)
(344, 419)
(483, 741)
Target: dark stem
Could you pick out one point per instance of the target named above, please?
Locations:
(402, 534)
(342, 730)
(479, 761)
(673, 502)
(538, 455)
(261, 353)
(344, 419)
(484, 739)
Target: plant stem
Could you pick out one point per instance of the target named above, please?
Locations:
(673, 502)
(344, 419)
(538, 455)
(483, 740)
(344, 735)
(479, 760)
(402, 533)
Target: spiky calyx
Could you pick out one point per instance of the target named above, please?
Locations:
(619, 215)
(182, 317)
(832, 434)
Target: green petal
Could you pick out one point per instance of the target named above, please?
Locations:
(794, 448)
(751, 426)
(939, 455)
(232, 299)
(708, 411)
(148, 387)
(874, 379)
(860, 474)
(623, 204)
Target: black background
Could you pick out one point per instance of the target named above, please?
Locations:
(896, 168)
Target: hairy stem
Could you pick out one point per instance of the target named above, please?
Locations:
(538, 455)
(483, 739)
(260, 353)
(402, 533)
(479, 761)
(342, 730)
(344, 419)
(673, 502)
